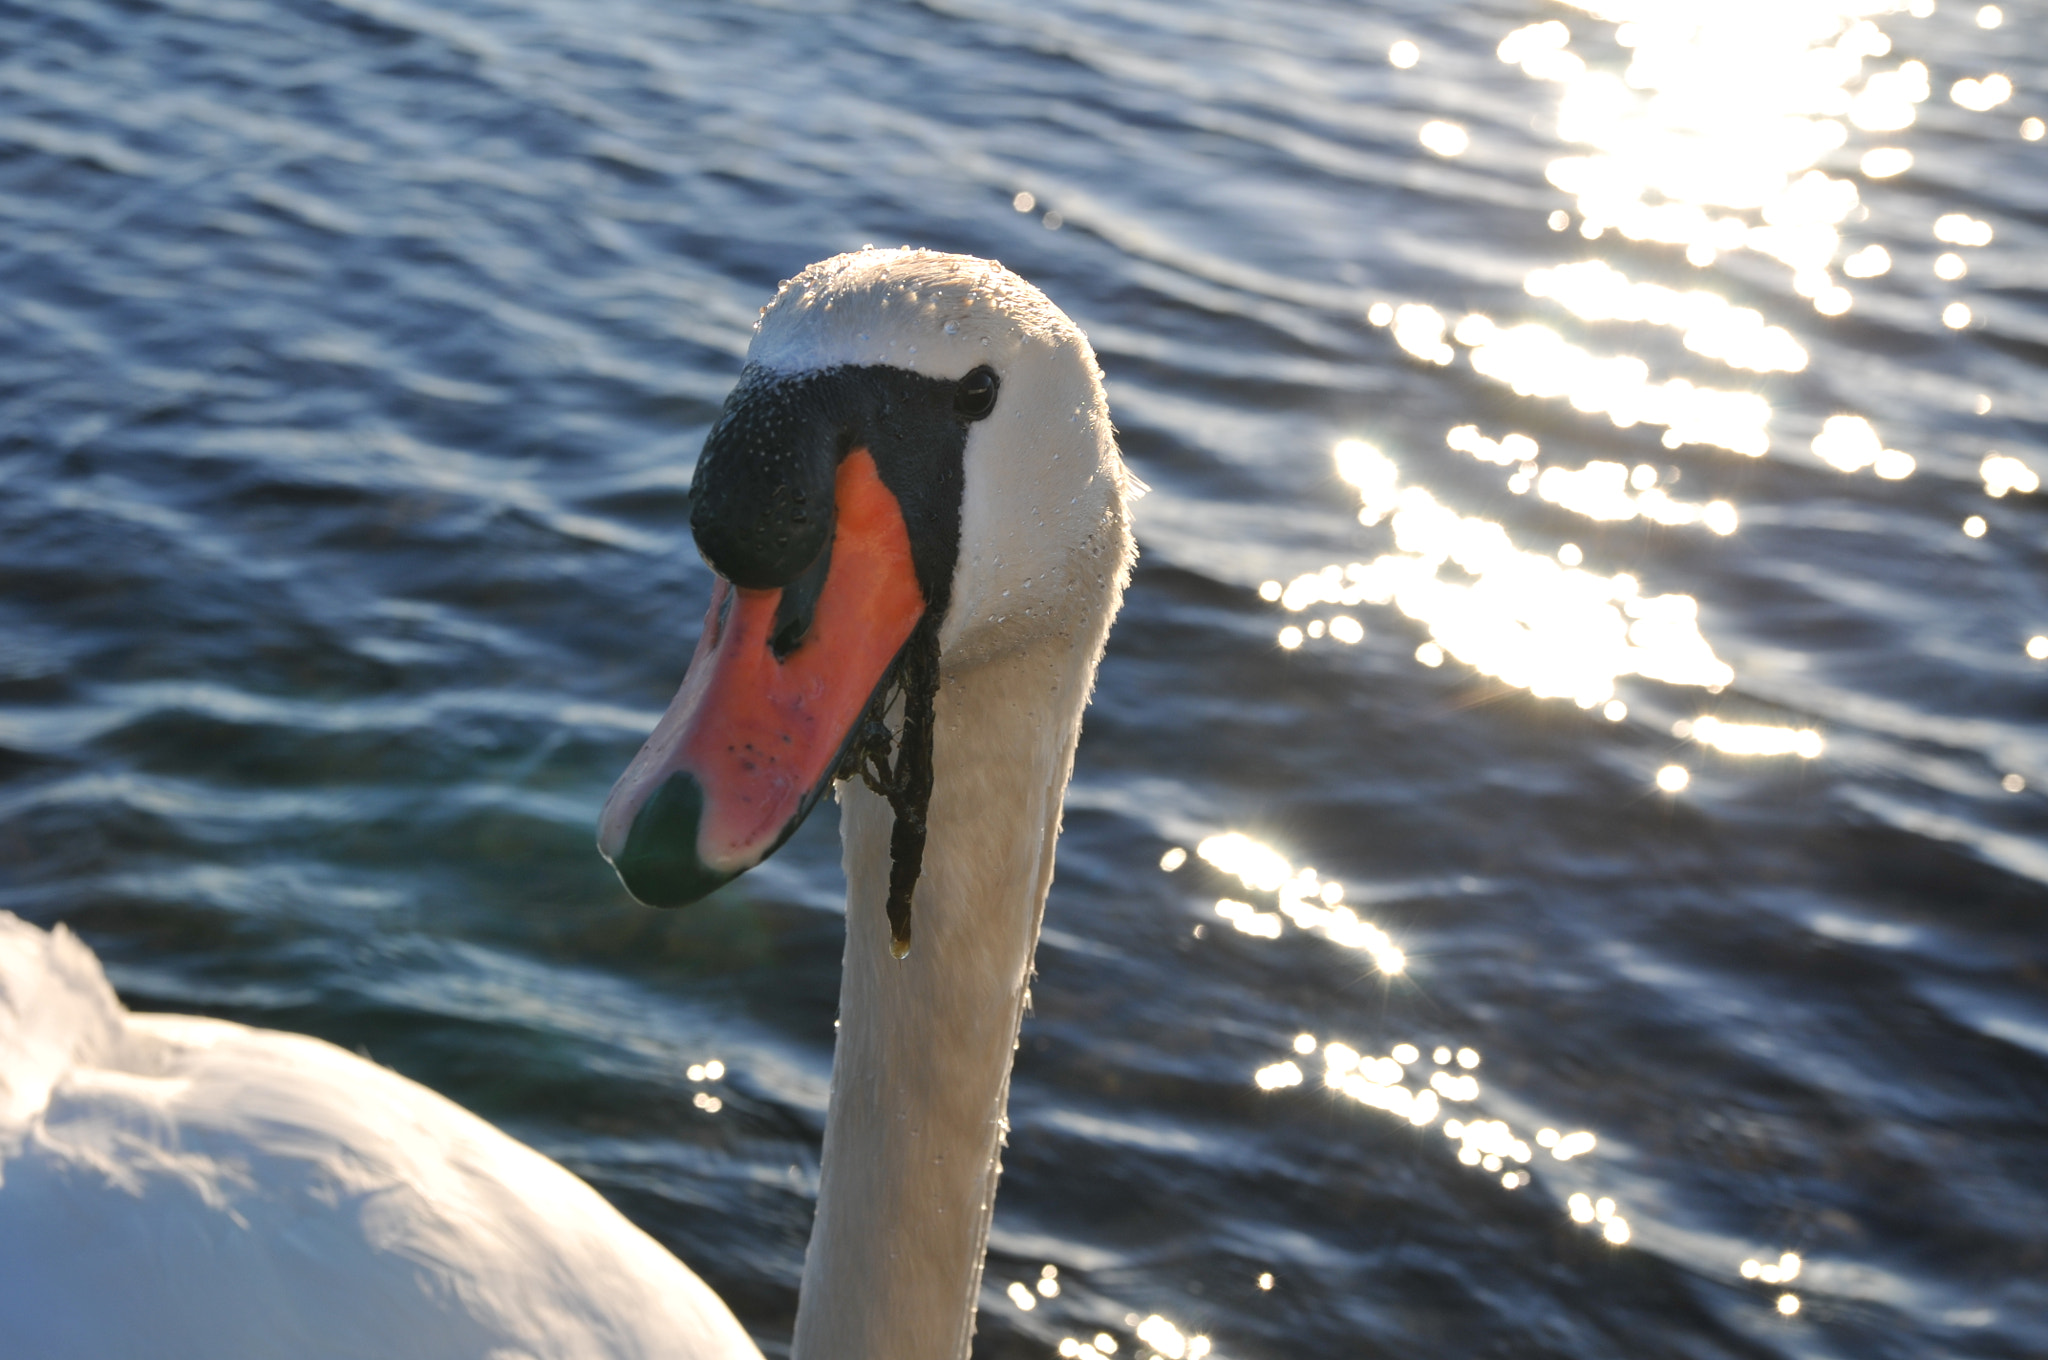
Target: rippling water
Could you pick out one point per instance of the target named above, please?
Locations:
(1596, 524)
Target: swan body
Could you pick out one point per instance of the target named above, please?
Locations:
(178, 1188)
(917, 513)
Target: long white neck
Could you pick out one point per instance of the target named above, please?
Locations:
(921, 1077)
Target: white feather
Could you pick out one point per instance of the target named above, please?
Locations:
(173, 1186)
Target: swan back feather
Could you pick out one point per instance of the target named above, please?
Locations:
(174, 1186)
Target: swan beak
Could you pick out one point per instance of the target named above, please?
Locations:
(778, 684)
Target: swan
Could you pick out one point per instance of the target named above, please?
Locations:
(180, 1188)
(917, 518)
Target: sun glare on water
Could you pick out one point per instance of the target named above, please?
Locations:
(1724, 150)
(1709, 130)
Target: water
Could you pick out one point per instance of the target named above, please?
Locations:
(357, 355)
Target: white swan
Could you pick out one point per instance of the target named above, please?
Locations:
(176, 1188)
(917, 511)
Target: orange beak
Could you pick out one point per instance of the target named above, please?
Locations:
(758, 729)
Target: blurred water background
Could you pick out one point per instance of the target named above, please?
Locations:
(1556, 866)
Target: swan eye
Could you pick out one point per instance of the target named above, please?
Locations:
(975, 397)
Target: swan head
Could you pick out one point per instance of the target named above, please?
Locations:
(918, 455)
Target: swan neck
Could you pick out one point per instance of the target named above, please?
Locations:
(921, 1071)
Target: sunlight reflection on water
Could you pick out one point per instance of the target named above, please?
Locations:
(1409, 1082)
(1594, 290)
(1710, 140)
(1535, 360)
(1414, 1083)
(1717, 138)
(1165, 1340)
(1849, 444)
(1523, 617)
(1750, 739)
(1711, 137)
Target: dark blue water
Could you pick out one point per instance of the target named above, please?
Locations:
(356, 356)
